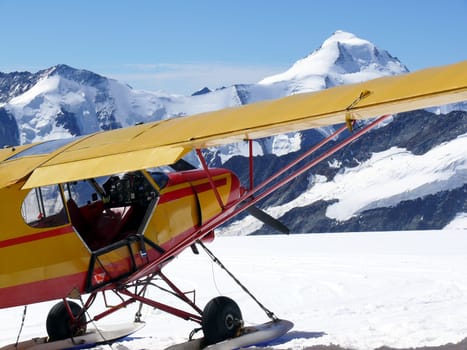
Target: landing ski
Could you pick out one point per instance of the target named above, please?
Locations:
(92, 338)
(251, 336)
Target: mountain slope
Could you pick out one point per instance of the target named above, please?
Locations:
(408, 174)
(61, 101)
(342, 59)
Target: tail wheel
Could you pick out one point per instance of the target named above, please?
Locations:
(221, 320)
(60, 324)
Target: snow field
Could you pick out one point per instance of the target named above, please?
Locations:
(358, 290)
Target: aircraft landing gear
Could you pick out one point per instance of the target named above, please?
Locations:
(62, 325)
(221, 320)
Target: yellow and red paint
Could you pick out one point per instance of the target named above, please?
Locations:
(39, 264)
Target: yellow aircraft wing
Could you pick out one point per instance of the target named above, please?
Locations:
(164, 142)
(8, 152)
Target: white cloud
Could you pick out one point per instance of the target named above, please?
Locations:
(190, 77)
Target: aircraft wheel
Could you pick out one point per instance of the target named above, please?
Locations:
(60, 325)
(221, 320)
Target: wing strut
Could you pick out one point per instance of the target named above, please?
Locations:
(250, 148)
(248, 199)
(211, 181)
(310, 164)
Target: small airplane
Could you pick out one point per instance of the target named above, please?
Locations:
(98, 213)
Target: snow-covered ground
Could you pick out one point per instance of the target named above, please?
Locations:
(358, 290)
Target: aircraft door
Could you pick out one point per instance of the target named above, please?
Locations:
(208, 203)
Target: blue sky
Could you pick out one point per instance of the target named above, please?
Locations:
(180, 46)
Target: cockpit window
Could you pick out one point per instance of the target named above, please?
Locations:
(43, 207)
(43, 148)
(160, 178)
(106, 210)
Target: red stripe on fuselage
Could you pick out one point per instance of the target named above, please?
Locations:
(189, 191)
(43, 290)
(36, 236)
(207, 186)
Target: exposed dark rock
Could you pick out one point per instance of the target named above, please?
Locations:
(202, 91)
(68, 121)
(418, 131)
(9, 134)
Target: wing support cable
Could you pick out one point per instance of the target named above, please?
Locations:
(268, 312)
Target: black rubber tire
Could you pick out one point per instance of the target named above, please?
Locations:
(221, 320)
(59, 323)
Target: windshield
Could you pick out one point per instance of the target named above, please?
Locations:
(43, 148)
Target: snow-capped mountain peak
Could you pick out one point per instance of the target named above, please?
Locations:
(62, 101)
(343, 58)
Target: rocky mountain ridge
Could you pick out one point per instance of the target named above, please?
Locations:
(62, 101)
